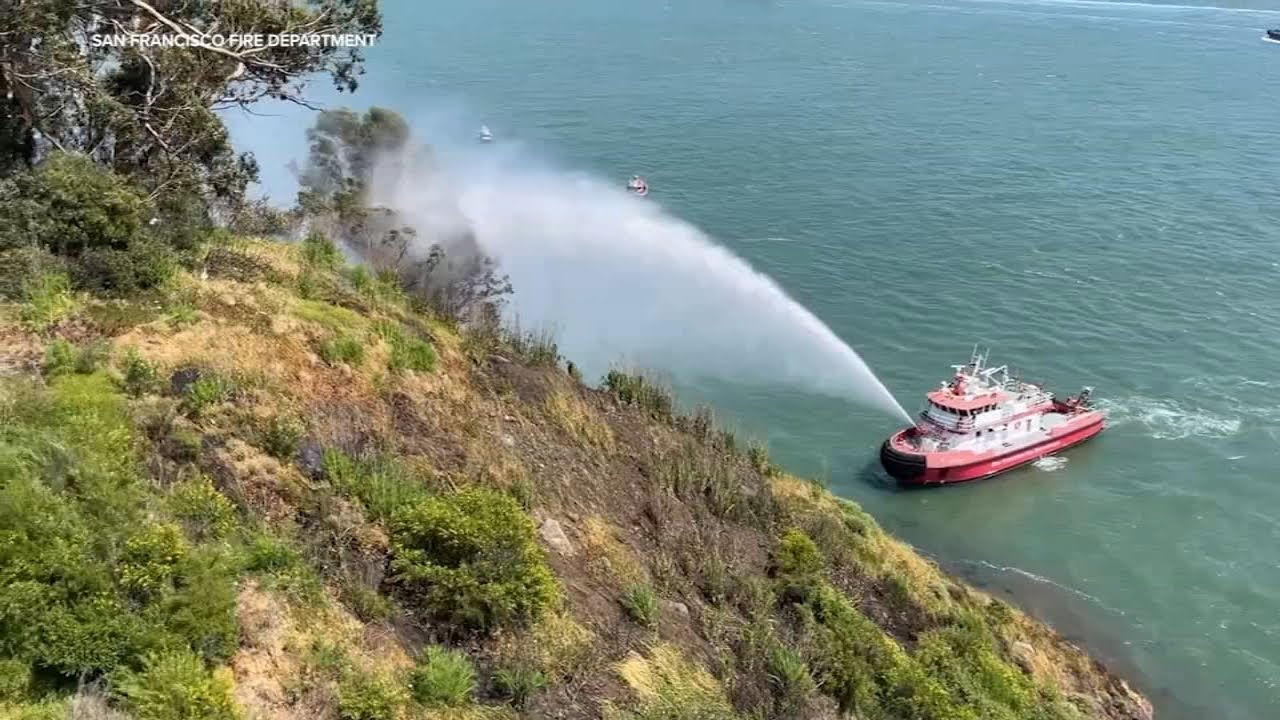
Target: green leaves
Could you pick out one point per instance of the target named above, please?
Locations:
(471, 558)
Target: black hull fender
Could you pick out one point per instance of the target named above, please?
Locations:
(901, 466)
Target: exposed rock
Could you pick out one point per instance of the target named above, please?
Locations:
(182, 379)
(1024, 655)
(1143, 705)
(678, 607)
(311, 459)
(508, 440)
(554, 536)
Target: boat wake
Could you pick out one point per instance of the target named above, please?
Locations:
(1166, 419)
(1270, 40)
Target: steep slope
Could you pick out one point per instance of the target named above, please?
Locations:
(279, 489)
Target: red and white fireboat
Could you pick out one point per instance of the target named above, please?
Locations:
(985, 422)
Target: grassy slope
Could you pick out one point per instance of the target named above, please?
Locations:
(676, 595)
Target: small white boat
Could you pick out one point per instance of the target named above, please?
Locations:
(485, 135)
(638, 186)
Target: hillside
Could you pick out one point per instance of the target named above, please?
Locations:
(276, 488)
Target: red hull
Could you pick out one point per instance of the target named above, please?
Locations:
(915, 469)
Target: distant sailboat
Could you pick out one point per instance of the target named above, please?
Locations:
(485, 135)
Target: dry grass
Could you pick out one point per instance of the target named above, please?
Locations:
(573, 416)
(604, 550)
(664, 681)
(557, 645)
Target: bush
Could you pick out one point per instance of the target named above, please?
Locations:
(758, 456)
(407, 353)
(59, 358)
(381, 484)
(319, 251)
(642, 393)
(70, 204)
(140, 376)
(518, 682)
(205, 513)
(280, 436)
(15, 678)
(150, 557)
(413, 354)
(471, 558)
(176, 686)
(206, 391)
(342, 349)
(368, 697)
(443, 678)
(799, 564)
(791, 680)
(48, 301)
(63, 358)
(144, 265)
(641, 605)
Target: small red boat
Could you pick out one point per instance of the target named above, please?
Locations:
(985, 422)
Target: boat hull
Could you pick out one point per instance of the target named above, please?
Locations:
(914, 469)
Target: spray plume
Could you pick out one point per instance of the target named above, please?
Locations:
(613, 277)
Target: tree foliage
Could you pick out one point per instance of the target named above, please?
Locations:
(349, 155)
(150, 111)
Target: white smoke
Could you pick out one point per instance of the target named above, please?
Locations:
(616, 278)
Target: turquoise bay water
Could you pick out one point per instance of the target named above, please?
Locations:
(1087, 187)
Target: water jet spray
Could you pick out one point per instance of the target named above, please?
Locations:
(620, 278)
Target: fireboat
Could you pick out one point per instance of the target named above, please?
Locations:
(985, 422)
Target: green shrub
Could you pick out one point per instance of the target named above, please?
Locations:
(47, 708)
(342, 349)
(15, 678)
(90, 582)
(176, 686)
(443, 678)
(150, 558)
(145, 264)
(204, 512)
(360, 279)
(59, 358)
(471, 558)
(48, 301)
(407, 353)
(206, 391)
(518, 682)
(182, 314)
(758, 456)
(140, 376)
(368, 697)
(642, 393)
(319, 251)
(791, 680)
(63, 358)
(412, 354)
(365, 602)
(268, 554)
(201, 610)
(641, 605)
(70, 204)
(281, 435)
(799, 564)
(380, 483)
